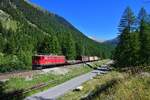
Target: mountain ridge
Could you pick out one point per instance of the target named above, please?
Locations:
(114, 41)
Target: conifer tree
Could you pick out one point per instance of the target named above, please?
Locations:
(127, 20)
(1, 43)
(1, 27)
(134, 49)
(145, 43)
(1, 39)
(128, 47)
(122, 50)
(54, 45)
(79, 49)
(103, 55)
(69, 49)
(44, 46)
(142, 16)
(10, 46)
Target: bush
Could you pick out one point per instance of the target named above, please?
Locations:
(10, 63)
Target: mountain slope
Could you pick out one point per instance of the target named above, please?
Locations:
(24, 29)
(112, 42)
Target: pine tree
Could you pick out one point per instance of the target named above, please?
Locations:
(126, 53)
(1, 39)
(127, 20)
(44, 46)
(142, 15)
(145, 43)
(122, 50)
(79, 49)
(144, 37)
(54, 45)
(10, 46)
(1, 27)
(1, 43)
(69, 49)
(134, 49)
(103, 55)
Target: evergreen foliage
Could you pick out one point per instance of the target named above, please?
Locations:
(125, 52)
(145, 43)
(127, 20)
(30, 30)
(68, 47)
(134, 45)
(142, 16)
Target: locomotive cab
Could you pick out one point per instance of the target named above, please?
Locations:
(43, 61)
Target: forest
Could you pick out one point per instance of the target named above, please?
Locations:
(26, 30)
(133, 49)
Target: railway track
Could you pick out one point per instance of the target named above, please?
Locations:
(25, 74)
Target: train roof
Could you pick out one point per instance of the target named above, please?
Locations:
(48, 55)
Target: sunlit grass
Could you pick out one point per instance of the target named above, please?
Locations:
(90, 86)
(128, 87)
(131, 87)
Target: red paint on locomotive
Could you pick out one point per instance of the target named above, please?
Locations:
(48, 60)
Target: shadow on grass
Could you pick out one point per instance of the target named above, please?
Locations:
(13, 95)
(101, 89)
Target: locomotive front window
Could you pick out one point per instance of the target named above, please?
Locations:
(36, 58)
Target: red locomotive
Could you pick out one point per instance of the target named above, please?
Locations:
(45, 61)
(40, 61)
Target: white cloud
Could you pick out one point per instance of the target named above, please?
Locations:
(98, 40)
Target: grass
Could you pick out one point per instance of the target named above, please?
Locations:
(21, 83)
(133, 87)
(54, 79)
(126, 87)
(90, 86)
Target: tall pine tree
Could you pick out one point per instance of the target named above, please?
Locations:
(127, 20)
(141, 21)
(44, 46)
(145, 43)
(54, 45)
(126, 52)
(69, 49)
(142, 16)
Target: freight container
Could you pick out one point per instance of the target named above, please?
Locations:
(96, 58)
(91, 58)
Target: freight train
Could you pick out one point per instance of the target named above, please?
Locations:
(48, 61)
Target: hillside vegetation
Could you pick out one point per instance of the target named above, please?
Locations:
(133, 48)
(26, 29)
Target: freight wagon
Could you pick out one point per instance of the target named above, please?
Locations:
(83, 58)
(88, 58)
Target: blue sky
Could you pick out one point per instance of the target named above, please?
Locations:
(95, 18)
